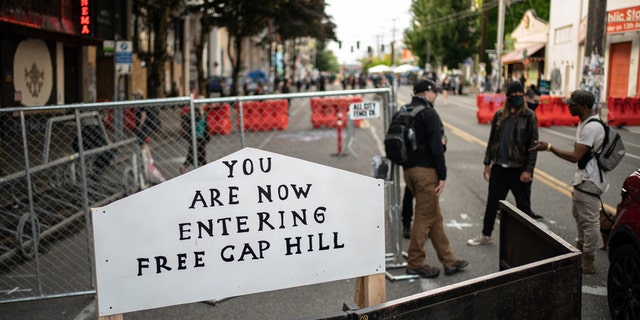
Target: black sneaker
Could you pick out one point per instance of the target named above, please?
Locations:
(425, 271)
(457, 267)
(536, 217)
(406, 232)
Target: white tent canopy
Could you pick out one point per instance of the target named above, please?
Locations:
(381, 68)
(406, 68)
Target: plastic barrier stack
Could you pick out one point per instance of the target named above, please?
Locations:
(265, 115)
(551, 111)
(130, 120)
(544, 111)
(327, 111)
(488, 104)
(623, 111)
(218, 118)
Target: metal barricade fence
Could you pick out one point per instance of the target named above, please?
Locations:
(56, 162)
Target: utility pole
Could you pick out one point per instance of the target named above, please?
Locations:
(499, 45)
(594, 48)
(393, 43)
(483, 41)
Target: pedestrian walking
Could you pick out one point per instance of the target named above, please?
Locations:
(202, 137)
(589, 182)
(508, 162)
(425, 175)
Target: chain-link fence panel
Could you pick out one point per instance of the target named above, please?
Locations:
(57, 162)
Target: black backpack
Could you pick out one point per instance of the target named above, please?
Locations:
(400, 141)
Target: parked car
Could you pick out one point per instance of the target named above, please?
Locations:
(623, 282)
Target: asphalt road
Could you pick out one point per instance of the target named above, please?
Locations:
(463, 205)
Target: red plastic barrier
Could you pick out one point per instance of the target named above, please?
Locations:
(219, 119)
(265, 115)
(129, 119)
(562, 116)
(544, 111)
(488, 104)
(623, 111)
(324, 111)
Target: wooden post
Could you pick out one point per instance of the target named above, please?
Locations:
(370, 290)
(112, 317)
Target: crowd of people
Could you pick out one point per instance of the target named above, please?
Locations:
(509, 164)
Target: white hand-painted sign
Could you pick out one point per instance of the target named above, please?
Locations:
(250, 222)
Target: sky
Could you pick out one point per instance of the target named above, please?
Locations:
(369, 21)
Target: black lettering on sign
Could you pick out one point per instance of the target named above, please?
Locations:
(295, 245)
(253, 253)
(163, 264)
(248, 166)
(283, 191)
(216, 198)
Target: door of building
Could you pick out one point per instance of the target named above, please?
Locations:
(619, 61)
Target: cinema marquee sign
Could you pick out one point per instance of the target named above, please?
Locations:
(250, 222)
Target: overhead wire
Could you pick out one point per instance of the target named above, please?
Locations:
(460, 15)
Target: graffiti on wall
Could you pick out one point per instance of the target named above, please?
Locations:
(592, 75)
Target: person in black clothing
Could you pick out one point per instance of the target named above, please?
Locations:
(425, 176)
(532, 97)
(508, 162)
(407, 201)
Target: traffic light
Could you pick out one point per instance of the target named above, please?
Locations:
(339, 44)
(382, 48)
(358, 45)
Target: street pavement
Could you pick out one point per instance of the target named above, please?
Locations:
(462, 205)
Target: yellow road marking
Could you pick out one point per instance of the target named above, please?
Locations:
(540, 175)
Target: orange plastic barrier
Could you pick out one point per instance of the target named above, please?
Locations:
(562, 116)
(488, 104)
(325, 112)
(544, 111)
(218, 118)
(623, 111)
(265, 115)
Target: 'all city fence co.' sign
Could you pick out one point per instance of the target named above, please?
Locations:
(250, 222)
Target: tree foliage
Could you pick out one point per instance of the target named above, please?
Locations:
(242, 19)
(159, 14)
(451, 30)
(325, 59)
(446, 30)
(512, 17)
(296, 19)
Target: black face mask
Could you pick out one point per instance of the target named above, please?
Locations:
(516, 101)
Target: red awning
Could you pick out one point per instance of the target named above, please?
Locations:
(516, 56)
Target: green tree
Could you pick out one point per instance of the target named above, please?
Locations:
(242, 19)
(444, 31)
(325, 59)
(159, 15)
(206, 12)
(513, 15)
(296, 19)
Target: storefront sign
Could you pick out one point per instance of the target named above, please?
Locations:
(623, 20)
(85, 20)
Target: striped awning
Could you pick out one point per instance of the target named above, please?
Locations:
(517, 56)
